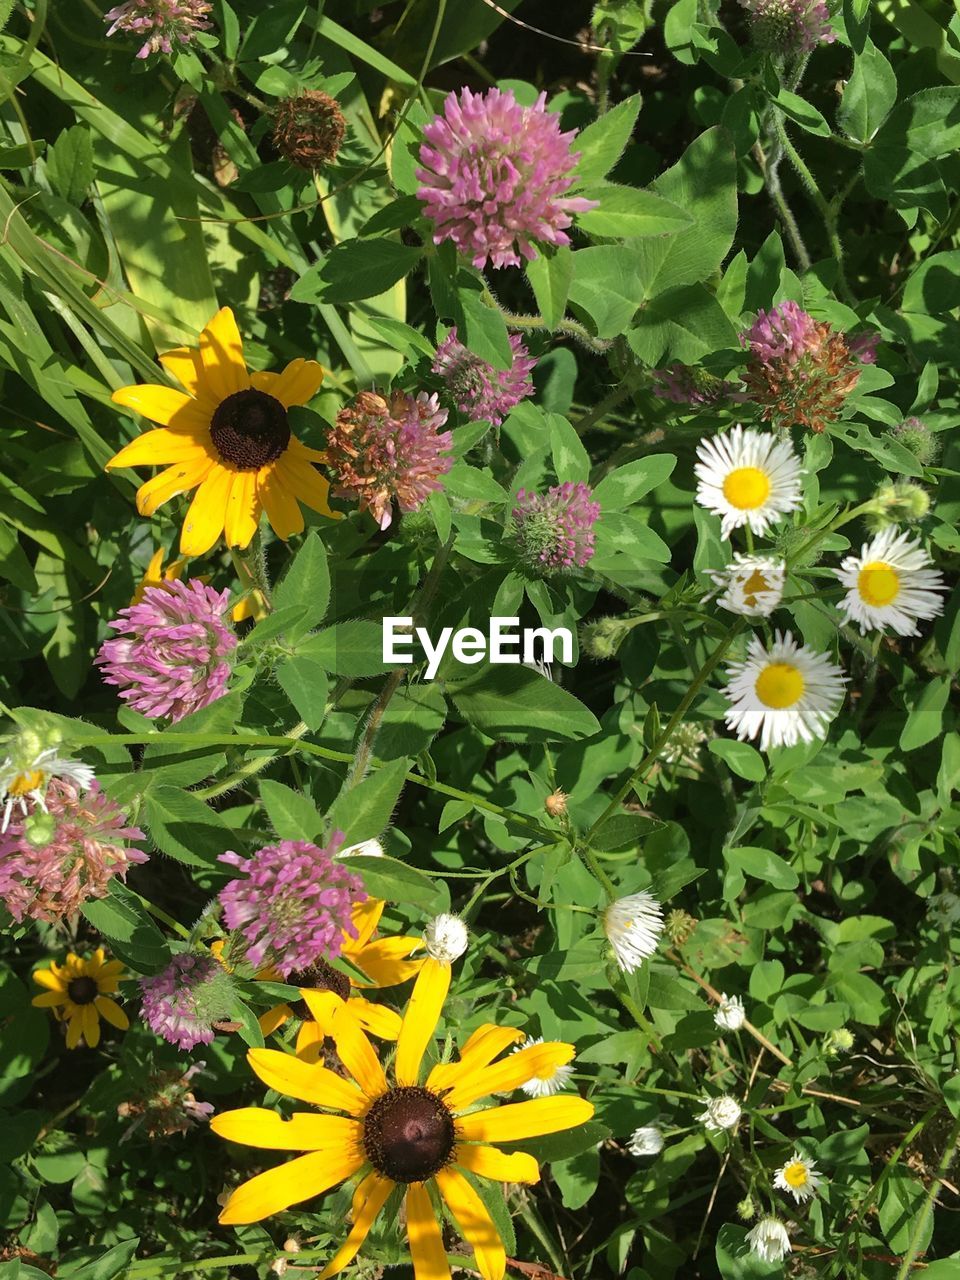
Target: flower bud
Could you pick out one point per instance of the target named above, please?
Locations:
(916, 436)
(746, 1209)
(898, 502)
(556, 804)
(603, 638)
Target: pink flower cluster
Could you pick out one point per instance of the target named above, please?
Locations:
(785, 332)
(554, 531)
(494, 177)
(165, 23)
(686, 384)
(481, 391)
(84, 843)
(789, 26)
(182, 1003)
(385, 448)
(170, 658)
(293, 904)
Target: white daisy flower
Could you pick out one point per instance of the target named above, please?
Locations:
(646, 1141)
(446, 938)
(27, 779)
(769, 1240)
(748, 478)
(721, 1113)
(365, 849)
(798, 1177)
(751, 585)
(544, 1086)
(730, 1015)
(890, 585)
(633, 926)
(784, 695)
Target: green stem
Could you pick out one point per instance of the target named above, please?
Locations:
(771, 177)
(609, 401)
(570, 327)
(923, 1217)
(251, 768)
(592, 861)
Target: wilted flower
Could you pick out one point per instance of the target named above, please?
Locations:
(292, 905)
(482, 392)
(185, 1001)
(165, 1105)
(678, 926)
(551, 1078)
(556, 803)
(730, 1015)
(308, 130)
(799, 370)
(789, 26)
(170, 657)
(689, 384)
(164, 23)
(383, 449)
(633, 926)
(798, 1177)
(890, 584)
(752, 585)
(554, 531)
(769, 1240)
(720, 1113)
(28, 770)
(646, 1141)
(83, 843)
(494, 177)
(446, 938)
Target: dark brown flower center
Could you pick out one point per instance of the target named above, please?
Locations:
(319, 977)
(408, 1134)
(250, 429)
(82, 990)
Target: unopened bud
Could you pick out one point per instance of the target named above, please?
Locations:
(678, 926)
(898, 502)
(916, 436)
(556, 803)
(39, 828)
(746, 1209)
(602, 639)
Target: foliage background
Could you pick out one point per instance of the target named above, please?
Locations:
(135, 200)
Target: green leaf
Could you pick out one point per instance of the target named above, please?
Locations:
(186, 828)
(570, 458)
(737, 1261)
(516, 704)
(109, 1266)
(622, 831)
(305, 584)
(550, 279)
(801, 112)
(933, 287)
(762, 865)
(70, 164)
(306, 684)
(925, 721)
(626, 485)
(742, 759)
(136, 939)
(484, 330)
(356, 269)
(475, 483)
(14, 565)
(395, 881)
(292, 815)
(869, 95)
(682, 324)
(353, 648)
(607, 287)
(23, 155)
(602, 143)
(363, 812)
(627, 212)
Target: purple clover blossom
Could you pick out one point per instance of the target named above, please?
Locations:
(170, 656)
(864, 346)
(293, 903)
(789, 26)
(480, 390)
(785, 332)
(494, 177)
(554, 531)
(165, 23)
(182, 1003)
(686, 384)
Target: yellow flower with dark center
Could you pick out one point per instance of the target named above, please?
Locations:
(158, 572)
(227, 435)
(402, 1133)
(326, 991)
(79, 993)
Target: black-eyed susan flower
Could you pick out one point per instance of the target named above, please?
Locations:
(79, 992)
(399, 1132)
(227, 435)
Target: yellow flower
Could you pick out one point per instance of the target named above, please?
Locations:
(227, 436)
(402, 1133)
(327, 991)
(156, 575)
(78, 992)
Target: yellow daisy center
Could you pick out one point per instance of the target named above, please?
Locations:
(24, 783)
(779, 685)
(878, 584)
(795, 1174)
(752, 588)
(746, 488)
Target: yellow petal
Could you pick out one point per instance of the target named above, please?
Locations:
(538, 1060)
(371, 1196)
(310, 1039)
(376, 1018)
(111, 1012)
(474, 1222)
(282, 508)
(305, 483)
(357, 1055)
(47, 978)
(164, 405)
(482, 1047)
(298, 384)
(521, 1120)
(385, 961)
(364, 916)
(423, 1233)
(274, 1018)
(314, 1084)
(297, 449)
(323, 1006)
(180, 478)
(208, 510)
(49, 999)
(420, 1019)
(186, 366)
(160, 446)
(304, 1131)
(75, 1028)
(112, 969)
(243, 509)
(91, 1026)
(290, 1183)
(221, 350)
(498, 1166)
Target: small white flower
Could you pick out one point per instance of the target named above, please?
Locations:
(446, 938)
(544, 1086)
(748, 478)
(769, 1240)
(721, 1113)
(646, 1141)
(890, 585)
(784, 695)
(751, 585)
(944, 909)
(730, 1015)
(798, 1177)
(633, 926)
(365, 849)
(27, 777)
(683, 746)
